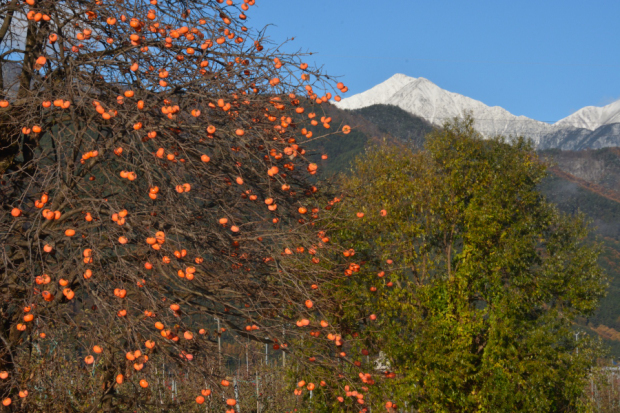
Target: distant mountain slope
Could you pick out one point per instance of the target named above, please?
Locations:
(423, 98)
(590, 127)
(370, 125)
(592, 117)
(571, 138)
(599, 167)
(570, 196)
(393, 121)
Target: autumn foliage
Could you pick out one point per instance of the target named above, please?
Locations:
(154, 186)
(161, 220)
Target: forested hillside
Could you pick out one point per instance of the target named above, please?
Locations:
(572, 194)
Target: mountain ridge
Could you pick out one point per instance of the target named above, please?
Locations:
(589, 127)
(593, 117)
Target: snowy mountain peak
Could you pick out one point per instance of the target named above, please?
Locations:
(593, 117)
(399, 77)
(425, 99)
(378, 94)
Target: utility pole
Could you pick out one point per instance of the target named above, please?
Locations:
(577, 339)
(257, 395)
(236, 393)
(219, 342)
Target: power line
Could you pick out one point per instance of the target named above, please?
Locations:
(500, 62)
(548, 122)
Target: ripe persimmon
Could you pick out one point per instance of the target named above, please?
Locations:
(216, 145)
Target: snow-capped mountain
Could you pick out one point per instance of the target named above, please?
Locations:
(379, 94)
(593, 117)
(423, 98)
(573, 139)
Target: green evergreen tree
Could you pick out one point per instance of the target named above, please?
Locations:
(483, 277)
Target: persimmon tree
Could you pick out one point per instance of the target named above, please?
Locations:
(155, 194)
(472, 282)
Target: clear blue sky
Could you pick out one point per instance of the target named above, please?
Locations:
(542, 59)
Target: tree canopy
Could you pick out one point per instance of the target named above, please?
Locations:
(474, 278)
(153, 186)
